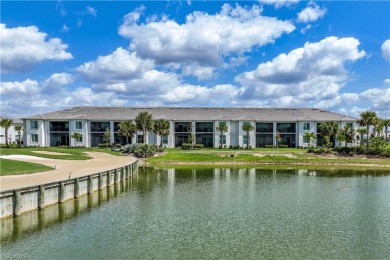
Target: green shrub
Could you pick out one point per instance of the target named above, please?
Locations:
(385, 152)
(187, 146)
(128, 148)
(145, 150)
(360, 150)
(103, 145)
(344, 150)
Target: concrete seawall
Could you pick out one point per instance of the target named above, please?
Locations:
(17, 201)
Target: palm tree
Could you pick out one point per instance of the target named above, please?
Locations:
(346, 134)
(361, 131)
(386, 123)
(144, 123)
(162, 128)
(367, 118)
(19, 128)
(222, 128)
(379, 124)
(6, 124)
(329, 129)
(247, 127)
(310, 137)
(127, 129)
(75, 136)
(107, 136)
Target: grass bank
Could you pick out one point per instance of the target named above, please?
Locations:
(63, 153)
(260, 156)
(12, 167)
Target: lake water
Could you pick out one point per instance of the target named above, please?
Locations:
(214, 214)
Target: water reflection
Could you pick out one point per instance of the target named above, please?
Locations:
(237, 185)
(36, 220)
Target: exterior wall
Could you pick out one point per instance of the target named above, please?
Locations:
(301, 132)
(84, 132)
(234, 135)
(242, 133)
(217, 134)
(42, 133)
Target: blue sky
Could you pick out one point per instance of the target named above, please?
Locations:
(333, 55)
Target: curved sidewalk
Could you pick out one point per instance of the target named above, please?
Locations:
(64, 169)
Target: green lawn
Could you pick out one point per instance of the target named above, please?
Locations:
(12, 167)
(264, 156)
(69, 153)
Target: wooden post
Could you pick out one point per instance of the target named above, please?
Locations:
(61, 192)
(116, 176)
(17, 203)
(77, 188)
(90, 184)
(100, 181)
(108, 178)
(41, 197)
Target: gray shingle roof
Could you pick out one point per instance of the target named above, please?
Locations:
(194, 114)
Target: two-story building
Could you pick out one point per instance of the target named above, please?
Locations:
(200, 123)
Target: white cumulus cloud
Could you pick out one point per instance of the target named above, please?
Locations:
(386, 49)
(119, 66)
(279, 3)
(306, 75)
(23, 47)
(204, 39)
(311, 13)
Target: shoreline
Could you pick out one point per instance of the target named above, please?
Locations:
(63, 169)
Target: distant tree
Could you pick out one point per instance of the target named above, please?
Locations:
(191, 138)
(329, 129)
(144, 123)
(6, 124)
(361, 131)
(386, 125)
(222, 128)
(346, 135)
(107, 137)
(127, 129)
(75, 136)
(278, 138)
(162, 128)
(311, 136)
(19, 129)
(367, 119)
(247, 127)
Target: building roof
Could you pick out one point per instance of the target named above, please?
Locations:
(194, 114)
(15, 121)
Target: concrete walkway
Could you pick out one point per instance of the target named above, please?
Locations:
(63, 169)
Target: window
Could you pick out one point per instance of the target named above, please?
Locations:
(245, 140)
(165, 139)
(33, 124)
(264, 127)
(306, 126)
(305, 140)
(140, 139)
(349, 125)
(79, 125)
(204, 127)
(34, 138)
(286, 127)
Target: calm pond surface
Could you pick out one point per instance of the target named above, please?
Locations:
(214, 214)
